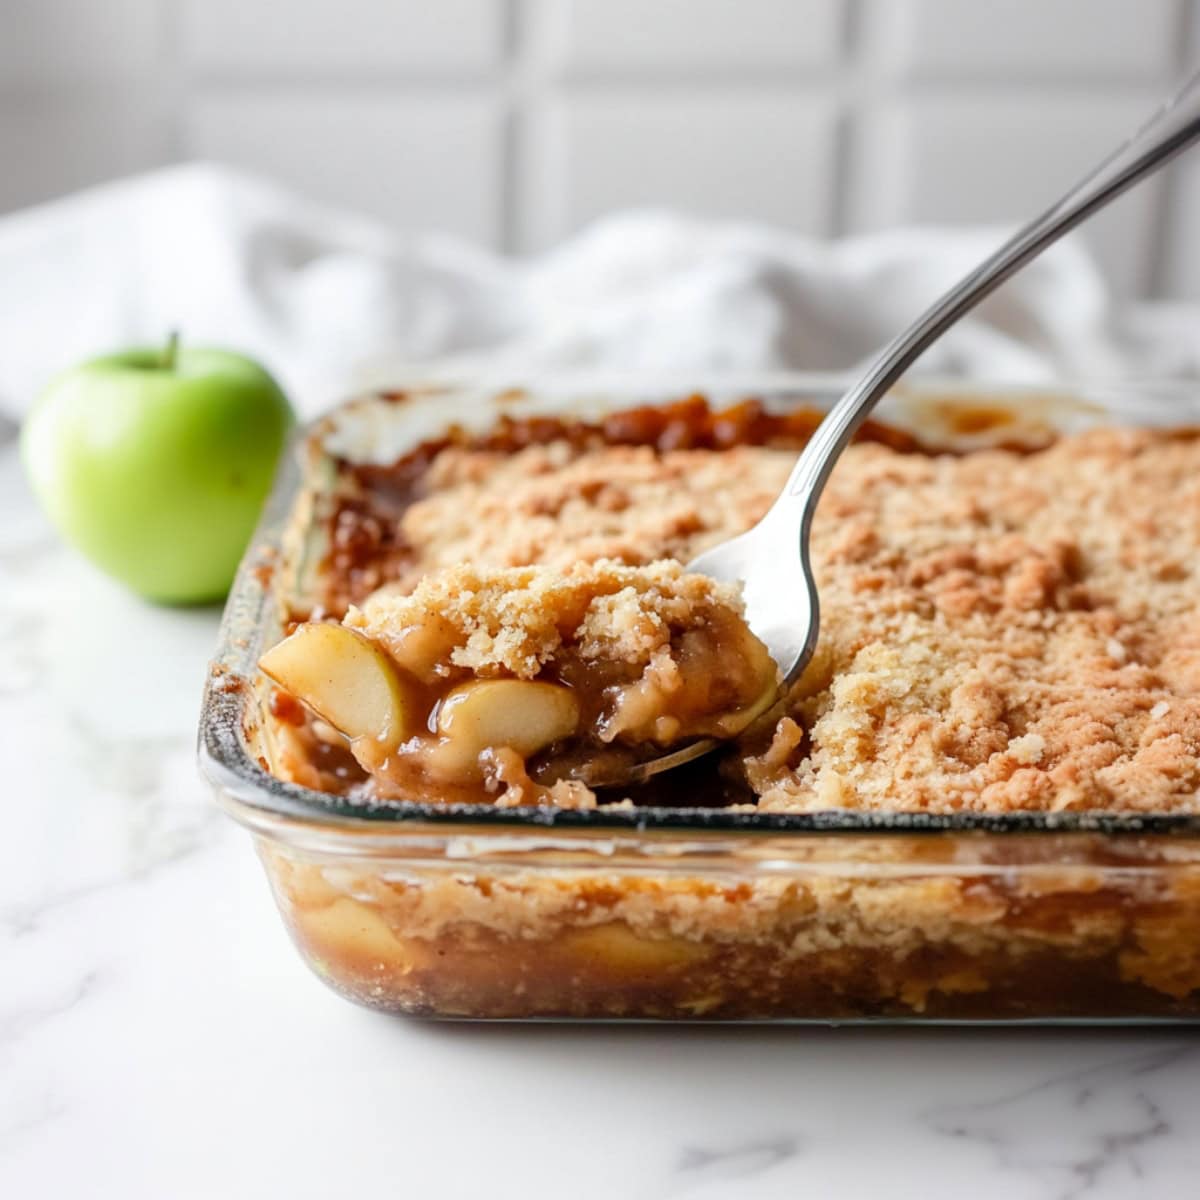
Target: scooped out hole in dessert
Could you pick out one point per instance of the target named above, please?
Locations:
(508, 685)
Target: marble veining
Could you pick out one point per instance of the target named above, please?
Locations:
(736, 1162)
(159, 1038)
(18, 1023)
(1102, 1124)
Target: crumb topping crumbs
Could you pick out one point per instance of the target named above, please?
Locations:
(1004, 632)
(517, 619)
(1000, 631)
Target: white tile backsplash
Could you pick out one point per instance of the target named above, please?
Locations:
(50, 44)
(514, 122)
(712, 153)
(1057, 38)
(431, 162)
(49, 148)
(1179, 265)
(1181, 253)
(1001, 157)
(347, 35)
(633, 35)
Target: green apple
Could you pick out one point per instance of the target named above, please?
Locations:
(155, 464)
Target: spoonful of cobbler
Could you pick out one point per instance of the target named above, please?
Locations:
(511, 684)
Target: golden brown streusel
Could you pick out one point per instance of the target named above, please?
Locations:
(1000, 630)
(559, 504)
(516, 620)
(1005, 631)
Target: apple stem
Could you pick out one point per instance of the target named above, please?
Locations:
(171, 349)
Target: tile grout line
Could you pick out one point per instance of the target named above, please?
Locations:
(1169, 209)
(846, 119)
(507, 200)
(176, 74)
(532, 88)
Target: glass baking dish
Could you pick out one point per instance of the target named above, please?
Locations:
(469, 911)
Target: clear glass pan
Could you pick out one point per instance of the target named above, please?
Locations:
(700, 914)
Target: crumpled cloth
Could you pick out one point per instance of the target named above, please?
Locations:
(329, 300)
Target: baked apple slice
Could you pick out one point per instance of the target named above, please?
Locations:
(347, 680)
(524, 715)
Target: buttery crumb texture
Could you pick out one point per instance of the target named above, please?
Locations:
(1004, 632)
(515, 621)
(1000, 631)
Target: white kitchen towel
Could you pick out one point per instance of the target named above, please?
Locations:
(327, 298)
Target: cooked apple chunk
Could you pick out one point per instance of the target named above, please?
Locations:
(487, 714)
(346, 680)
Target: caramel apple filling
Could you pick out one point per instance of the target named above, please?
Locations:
(1002, 630)
(512, 685)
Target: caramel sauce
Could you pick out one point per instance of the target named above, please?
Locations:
(721, 673)
(285, 707)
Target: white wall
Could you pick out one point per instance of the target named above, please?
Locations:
(514, 122)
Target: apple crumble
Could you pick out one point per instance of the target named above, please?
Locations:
(1001, 630)
(1009, 630)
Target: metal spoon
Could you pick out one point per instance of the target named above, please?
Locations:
(772, 559)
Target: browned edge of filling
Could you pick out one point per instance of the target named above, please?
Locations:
(367, 550)
(1106, 946)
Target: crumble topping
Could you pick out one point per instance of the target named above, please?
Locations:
(1000, 630)
(560, 504)
(516, 620)
(1004, 631)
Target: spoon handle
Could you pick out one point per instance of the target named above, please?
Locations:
(1170, 130)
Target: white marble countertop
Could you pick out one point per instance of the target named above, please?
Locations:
(159, 1037)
